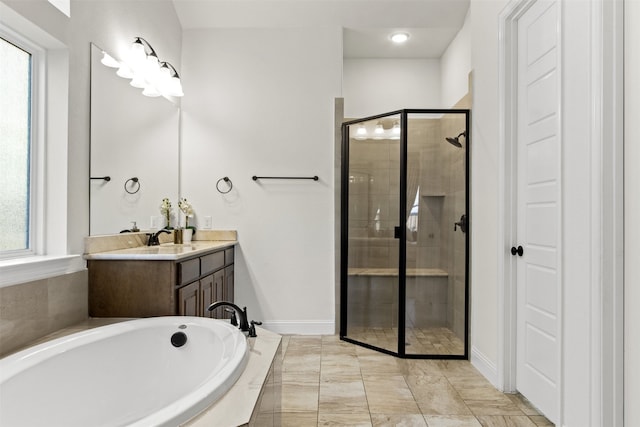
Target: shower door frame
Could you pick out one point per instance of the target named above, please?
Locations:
(402, 234)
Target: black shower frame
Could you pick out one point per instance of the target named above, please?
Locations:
(402, 253)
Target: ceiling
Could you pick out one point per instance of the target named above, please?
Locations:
(432, 24)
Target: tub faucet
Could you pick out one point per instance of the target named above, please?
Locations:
(153, 237)
(241, 313)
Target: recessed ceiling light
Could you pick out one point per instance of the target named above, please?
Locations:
(399, 37)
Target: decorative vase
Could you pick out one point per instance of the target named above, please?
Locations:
(187, 233)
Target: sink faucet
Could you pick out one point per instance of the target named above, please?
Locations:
(153, 237)
(242, 313)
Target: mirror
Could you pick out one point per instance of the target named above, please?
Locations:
(135, 143)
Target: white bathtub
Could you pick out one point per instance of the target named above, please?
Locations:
(124, 374)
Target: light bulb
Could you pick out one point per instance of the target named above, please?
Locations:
(124, 71)
(138, 81)
(175, 87)
(109, 61)
(396, 128)
(361, 130)
(379, 129)
(151, 91)
(164, 80)
(137, 54)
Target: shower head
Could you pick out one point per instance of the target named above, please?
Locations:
(456, 141)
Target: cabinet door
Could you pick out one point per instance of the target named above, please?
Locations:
(218, 286)
(206, 295)
(189, 300)
(188, 271)
(228, 293)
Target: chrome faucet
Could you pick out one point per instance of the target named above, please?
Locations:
(153, 237)
(241, 313)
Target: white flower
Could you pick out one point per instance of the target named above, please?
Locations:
(165, 207)
(185, 207)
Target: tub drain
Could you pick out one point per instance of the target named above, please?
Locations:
(178, 339)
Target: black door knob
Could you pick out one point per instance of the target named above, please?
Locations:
(519, 250)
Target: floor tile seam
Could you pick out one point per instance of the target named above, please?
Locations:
(415, 400)
(366, 395)
(464, 402)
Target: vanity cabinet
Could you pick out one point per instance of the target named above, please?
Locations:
(144, 288)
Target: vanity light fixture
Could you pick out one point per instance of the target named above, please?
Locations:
(145, 70)
(361, 131)
(399, 38)
(379, 130)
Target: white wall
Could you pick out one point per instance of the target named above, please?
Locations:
(484, 184)
(379, 85)
(455, 65)
(260, 102)
(632, 213)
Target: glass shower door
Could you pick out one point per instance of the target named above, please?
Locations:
(435, 249)
(373, 169)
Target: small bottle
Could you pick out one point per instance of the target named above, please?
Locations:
(135, 228)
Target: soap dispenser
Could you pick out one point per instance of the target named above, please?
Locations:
(135, 228)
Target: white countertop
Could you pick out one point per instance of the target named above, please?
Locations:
(164, 252)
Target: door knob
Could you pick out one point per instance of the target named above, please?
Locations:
(519, 250)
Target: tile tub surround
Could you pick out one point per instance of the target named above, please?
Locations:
(255, 398)
(29, 311)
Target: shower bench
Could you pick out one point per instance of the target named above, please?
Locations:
(373, 297)
(393, 272)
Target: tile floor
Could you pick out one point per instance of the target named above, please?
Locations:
(436, 340)
(327, 382)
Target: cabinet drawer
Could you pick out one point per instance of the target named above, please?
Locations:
(188, 271)
(228, 256)
(211, 262)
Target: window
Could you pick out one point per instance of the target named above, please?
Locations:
(16, 149)
(43, 248)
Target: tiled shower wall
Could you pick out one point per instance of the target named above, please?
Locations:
(29, 311)
(453, 251)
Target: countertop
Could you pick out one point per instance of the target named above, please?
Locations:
(163, 252)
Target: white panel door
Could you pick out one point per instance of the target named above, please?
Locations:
(538, 207)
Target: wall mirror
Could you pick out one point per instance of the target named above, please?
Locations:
(134, 153)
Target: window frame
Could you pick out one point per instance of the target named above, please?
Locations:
(37, 159)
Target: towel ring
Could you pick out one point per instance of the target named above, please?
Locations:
(135, 182)
(229, 183)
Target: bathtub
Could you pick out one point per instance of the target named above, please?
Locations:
(135, 373)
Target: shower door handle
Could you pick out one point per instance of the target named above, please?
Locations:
(396, 232)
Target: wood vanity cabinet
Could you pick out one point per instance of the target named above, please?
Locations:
(144, 288)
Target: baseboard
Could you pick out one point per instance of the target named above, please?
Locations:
(300, 327)
(486, 367)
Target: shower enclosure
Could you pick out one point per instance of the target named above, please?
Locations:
(405, 233)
